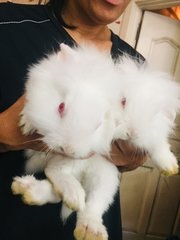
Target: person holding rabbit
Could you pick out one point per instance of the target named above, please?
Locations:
(28, 33)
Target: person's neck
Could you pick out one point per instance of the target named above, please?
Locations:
(86, 32)
(90, 34)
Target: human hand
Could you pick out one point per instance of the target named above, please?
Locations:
(11, 137)
(126, 157)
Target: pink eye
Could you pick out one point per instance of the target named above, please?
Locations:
(61, 108)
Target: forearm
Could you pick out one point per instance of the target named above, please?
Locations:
(3, 138)
(11, 137)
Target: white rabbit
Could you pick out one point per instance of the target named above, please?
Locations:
(151, 101)
(80, 101)
(69, 96)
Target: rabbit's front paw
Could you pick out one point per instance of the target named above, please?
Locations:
(171, 171)
(168, 164)
(21, 184)
(88, 229)
(33, 191)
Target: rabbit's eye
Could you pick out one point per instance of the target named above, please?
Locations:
(61, 108)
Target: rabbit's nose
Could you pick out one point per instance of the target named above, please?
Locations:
(68, 151)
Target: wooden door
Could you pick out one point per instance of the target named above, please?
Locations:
(150, 203)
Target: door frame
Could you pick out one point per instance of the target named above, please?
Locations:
(132, 17)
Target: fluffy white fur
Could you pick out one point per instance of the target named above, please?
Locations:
(80, 101)
(147, 119)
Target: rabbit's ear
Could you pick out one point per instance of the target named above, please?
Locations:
(67, 53)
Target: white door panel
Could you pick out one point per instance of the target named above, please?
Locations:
(150, 202)
(159, 42)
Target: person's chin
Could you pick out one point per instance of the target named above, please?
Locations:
(106, 19)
